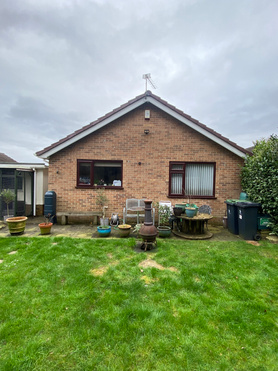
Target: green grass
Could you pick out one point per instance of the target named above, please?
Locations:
(73, 304)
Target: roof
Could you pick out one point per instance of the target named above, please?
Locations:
(147, 97)
(23, 166)
(4, 158)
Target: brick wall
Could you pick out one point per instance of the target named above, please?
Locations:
(124, 139)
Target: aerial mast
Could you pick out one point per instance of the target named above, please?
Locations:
(147, 77)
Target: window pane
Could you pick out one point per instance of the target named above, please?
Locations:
(199, 179)
(8, 182)
(176, 184)
(7, 172)
(106, 173)
(85, 173)
(177, 167)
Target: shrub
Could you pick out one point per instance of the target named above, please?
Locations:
(259, 177)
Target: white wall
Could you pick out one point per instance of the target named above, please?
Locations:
(42, 185)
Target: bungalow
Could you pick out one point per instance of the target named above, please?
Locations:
(29, 183)
(146, 148)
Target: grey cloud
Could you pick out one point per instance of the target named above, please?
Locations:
(64, 64)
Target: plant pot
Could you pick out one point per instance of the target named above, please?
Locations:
(182, 206)
(177, 211)
(193, 206)
(104, 231)
(45, 228)
(124, 230)
(17, 224)
(190, 212)
(164, 231)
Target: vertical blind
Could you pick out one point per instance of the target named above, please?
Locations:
(199, 179)
(176, 183)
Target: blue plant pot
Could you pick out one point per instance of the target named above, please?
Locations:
(190, 212)
(104, 231)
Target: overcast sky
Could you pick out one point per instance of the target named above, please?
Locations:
(64, 63)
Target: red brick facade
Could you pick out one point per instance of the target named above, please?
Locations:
(124, 139)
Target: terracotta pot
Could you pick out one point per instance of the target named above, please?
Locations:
(17, 224)
(124, 230)
(45, 228)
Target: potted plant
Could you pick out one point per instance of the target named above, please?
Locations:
(124, 230)
(8, 196)
(101, 200)
(46, 226)
(104, 230)
(164, 212)
(137, 228)
(191, 210)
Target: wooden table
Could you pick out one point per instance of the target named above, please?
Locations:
(194, 228)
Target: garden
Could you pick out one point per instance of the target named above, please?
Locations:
(98, 304)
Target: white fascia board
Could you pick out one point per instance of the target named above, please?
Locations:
(196, 127)
(22, 166)
(94, 128)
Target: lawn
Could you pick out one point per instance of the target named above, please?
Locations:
(73, 304)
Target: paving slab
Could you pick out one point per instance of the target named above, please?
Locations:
(90, 231)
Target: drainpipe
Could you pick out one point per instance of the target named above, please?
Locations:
(35, 191)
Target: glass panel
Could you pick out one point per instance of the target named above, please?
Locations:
(8, 182)
(177, 167)
(85, 173)
(7, 172)
(176, 184)
(107, 173)
(199, 179)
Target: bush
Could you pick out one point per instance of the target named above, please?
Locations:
(259, 177)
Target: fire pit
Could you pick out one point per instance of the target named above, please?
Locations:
(148, 231)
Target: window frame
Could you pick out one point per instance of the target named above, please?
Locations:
(183, 172)
(92, 162)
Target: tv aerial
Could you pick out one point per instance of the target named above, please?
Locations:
(147, 77)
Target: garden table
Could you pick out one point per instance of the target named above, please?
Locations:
(194, 228)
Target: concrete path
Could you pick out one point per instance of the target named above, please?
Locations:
(90, 231)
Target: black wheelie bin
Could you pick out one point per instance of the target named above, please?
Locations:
(248, 220)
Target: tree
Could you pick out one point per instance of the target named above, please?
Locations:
(8, 196)
(259, 177)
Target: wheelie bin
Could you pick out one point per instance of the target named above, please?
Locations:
(232, 216)
(248, 220)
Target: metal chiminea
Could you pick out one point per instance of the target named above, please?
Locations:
(148, 231)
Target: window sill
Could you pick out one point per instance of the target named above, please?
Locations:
(194, 197)
(98, 187)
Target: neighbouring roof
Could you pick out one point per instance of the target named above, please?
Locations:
(250, 149)
(147, 97)
(4, 158)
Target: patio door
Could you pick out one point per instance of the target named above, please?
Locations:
(21, 182)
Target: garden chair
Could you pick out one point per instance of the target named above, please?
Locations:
(135, 208)
(205, 209)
